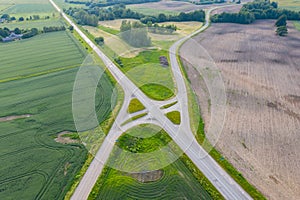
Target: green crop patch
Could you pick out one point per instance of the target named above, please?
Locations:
(137, 141)
(174, 117)
(135, 105)
(41, 53)
(147, 73)
(177, 181)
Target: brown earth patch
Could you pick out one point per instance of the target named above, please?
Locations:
(65, 140)
(148, 176)
(13, 117)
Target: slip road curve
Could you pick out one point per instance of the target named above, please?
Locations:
(182, 135)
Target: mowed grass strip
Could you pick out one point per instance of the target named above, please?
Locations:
(42, 53)
(174, 117)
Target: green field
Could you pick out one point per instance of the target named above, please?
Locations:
(42, 53)
(151, 11)
(25, 8)
(147, 73)
(289, 4)
(37, 77)
(177, 181)
(297, 25)
(174, 117)
(33, 24)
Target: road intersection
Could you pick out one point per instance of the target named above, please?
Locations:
(181, 134)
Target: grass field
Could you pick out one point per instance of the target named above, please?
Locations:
(33, 24)
(177, 181)
(146, 72)
(43, 53)
(135, 105)
(25, 8)
(297, 25)
(174, 117)
(151, 11)
(289, 4)
(37, 77)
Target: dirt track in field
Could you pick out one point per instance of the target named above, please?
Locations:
(10, 118)
(261, 73)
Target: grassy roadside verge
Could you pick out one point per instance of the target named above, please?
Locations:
(194, 111)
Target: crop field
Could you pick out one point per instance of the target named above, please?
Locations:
(289, 4)
(175, 181)
(166, 7)
(26, 8)
(262, 85)
(34, 165)
(43, 53)
(147, 73)
(40, 24)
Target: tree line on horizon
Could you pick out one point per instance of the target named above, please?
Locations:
(91, 16)
(258, 9)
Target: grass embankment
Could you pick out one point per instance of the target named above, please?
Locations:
(174, 117)
(135, 105)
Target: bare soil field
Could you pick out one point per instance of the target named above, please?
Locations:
(231, 9)
(261, 73)
(174, 6)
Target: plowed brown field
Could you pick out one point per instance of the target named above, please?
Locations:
(261, 73)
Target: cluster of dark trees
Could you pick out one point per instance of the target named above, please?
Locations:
(92, 15)
(109, 2)
(9, 18)
(28, 33)
(281, 25)
(99, 40)
(53, 29)
(198, 15)
(259, 9)
(155, 28)
(135, 34)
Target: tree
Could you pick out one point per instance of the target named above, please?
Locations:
(71, 28)
(17, 31)
(282, 31)
(5, 16)
(99, 40)
(162, 17)
(12, 19)
(281, 21)
(21, 19)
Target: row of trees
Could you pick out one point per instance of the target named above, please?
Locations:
(259, 9)
(109, 2)
(92, 15)
(53, 29)
(198, 15)
(9, 18)
(155, 28)
(28, 33)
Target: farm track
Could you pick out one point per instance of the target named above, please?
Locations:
(261, 133)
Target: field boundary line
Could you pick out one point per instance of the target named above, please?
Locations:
(38, 74)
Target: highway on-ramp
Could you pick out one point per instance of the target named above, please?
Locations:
(181, 135)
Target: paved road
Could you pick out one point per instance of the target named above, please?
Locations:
(182, 134)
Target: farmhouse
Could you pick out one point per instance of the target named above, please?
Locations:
(12, 37)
